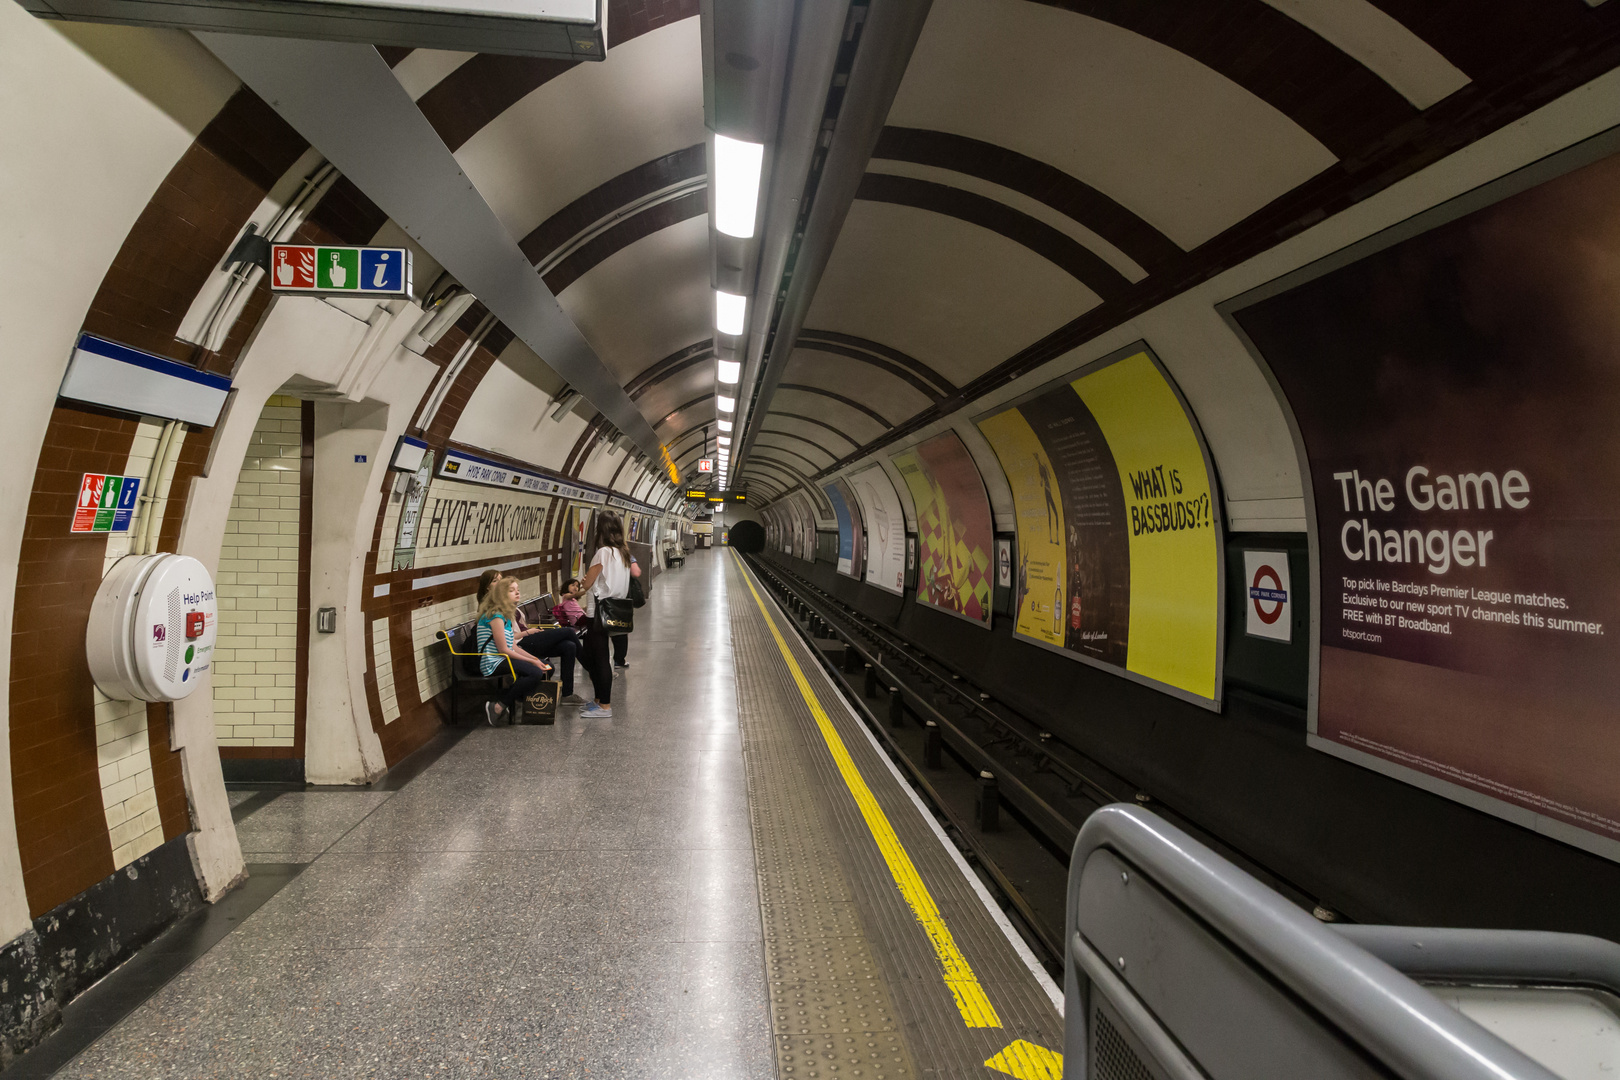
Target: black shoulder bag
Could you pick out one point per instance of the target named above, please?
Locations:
(617, 615)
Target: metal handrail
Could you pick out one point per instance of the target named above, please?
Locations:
(1411, 1031)
(445, 634)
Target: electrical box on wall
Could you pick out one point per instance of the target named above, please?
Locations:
(152, 628)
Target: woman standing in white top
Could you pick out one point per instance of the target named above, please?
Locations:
(607, 579)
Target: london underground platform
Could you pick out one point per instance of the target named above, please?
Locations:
(727, 879)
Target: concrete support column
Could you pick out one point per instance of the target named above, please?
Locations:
(351, 446)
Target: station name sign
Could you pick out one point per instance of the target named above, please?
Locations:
(471, 469)
(323, 270)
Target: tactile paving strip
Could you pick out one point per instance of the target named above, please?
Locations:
(831, 1012)
(856, 987)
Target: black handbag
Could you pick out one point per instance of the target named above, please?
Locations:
(638, 595)
(616, 616)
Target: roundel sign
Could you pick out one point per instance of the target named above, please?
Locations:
(1270, 602)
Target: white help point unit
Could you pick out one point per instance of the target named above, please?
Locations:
(152, 628)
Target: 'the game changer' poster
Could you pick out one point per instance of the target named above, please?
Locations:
(1458, 394)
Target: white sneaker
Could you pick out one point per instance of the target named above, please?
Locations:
(594, 711)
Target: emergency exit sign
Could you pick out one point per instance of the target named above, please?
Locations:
(106, 503)
(322, 270)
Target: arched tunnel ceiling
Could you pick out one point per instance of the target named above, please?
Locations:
(1046, 170)
(1049, 169)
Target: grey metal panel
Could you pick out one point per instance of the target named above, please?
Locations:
(1388, 1016)
(885, 48)
(1211, 998)
(363, 23)
(344, 99)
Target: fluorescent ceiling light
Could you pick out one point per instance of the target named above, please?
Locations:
(726, 403)
(737, 165)
(730, 370)
(725, 425)
(724, 440)
(729, 309)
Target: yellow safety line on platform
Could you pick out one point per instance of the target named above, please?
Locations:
(977, 1012)
(1027, 1061)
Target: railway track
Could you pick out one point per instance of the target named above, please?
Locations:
(1010, 791)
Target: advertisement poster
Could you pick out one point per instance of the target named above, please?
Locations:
(955, 572)
(581, 520)
(807, 527)
(1119, 539)
(885, 529)
(1456, 391)
(790, 514)
(850, 539)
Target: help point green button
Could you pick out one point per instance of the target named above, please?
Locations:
(337, 268)
(191, 650)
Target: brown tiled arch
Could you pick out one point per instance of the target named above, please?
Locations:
(1074, 199)
(610, 196)
(621, 235)
(1481, 39)
(1062, 251)
(1330, 94)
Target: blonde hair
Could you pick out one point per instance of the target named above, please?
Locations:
(498, 601)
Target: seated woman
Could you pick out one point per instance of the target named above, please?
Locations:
(497, 646)
(543, 642)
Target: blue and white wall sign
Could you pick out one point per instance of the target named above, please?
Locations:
(118, 377)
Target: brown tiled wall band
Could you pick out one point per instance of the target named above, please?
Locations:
(167, 773)
(186, 229)
(56, 790)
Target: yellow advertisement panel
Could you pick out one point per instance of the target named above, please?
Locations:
(1175, 552)
(955, 536)
(1119, 545)
(1039, 582)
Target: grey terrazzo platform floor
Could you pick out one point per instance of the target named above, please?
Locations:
(567, 901)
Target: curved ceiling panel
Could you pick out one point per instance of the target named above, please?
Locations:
(682, 386)
(957, 296)
(589, 125)
(800, 454)
(1126, 115)
(895, 398)
(691, 414)
(647, 300)
(840, 410)
(510, 415)
(818, 431)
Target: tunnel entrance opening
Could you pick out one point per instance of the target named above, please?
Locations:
(747, 537)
